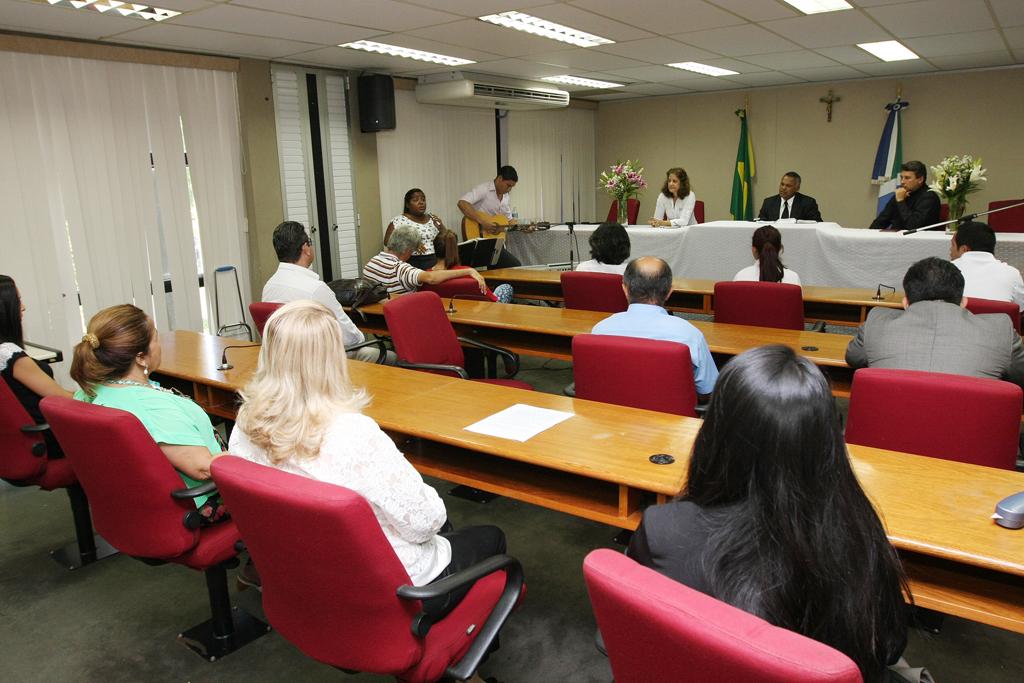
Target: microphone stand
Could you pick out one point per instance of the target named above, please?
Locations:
(224, 364)
(572, 238)
(451, 302)
(964, 219)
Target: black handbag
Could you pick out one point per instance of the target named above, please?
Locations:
(357, 291)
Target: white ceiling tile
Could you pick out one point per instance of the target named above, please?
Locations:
(479, 8)
(1015, 37)
(417, 43)
(958, 44)
(62, 21)
(580, 19)
(909, 66)
(518, 68)
(975, 61)
(662, 16)
(787, 61)
(485, 37)
(272, 24)
(656, 50)
(614, 96)
(707, 83)
(757, 10)
(847, 27)
(848, 54)
(586, 59)
(654, 89)
(185, 5)
(763, 78)
(736, 41)
(653, 74)
(216, 42)
(932, 17)
(734, 65)
(354, 59)
(827, 73)
(386, 15)
(1008, 12)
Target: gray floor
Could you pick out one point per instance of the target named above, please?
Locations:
(116, 620)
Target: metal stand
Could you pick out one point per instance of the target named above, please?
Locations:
(229, 628)
(216, 298)
(87, 548)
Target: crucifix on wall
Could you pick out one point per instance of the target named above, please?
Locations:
(829, 101)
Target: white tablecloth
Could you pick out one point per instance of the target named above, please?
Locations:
(823, 254)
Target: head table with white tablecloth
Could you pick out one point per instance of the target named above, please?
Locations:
(823, 254)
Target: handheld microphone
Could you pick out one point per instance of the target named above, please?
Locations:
(224, 364)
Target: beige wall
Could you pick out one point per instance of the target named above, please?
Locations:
(979, 113)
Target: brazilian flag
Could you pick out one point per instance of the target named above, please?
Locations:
(742, 205)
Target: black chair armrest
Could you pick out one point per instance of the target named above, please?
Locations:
(35, 429)
(379, 343)
(203, 489)
(818, 326)
(461, 372)
(470, 662)
(511, 359)
(701, 408)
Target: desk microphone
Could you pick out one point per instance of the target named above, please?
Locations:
(224, 364)
(451, 302)
(878, 292)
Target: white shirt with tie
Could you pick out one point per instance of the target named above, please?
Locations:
(786, 207)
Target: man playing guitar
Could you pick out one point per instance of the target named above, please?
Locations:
(487, 200)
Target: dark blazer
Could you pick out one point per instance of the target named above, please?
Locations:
(920, 208)
(803, 208)
(936, 336)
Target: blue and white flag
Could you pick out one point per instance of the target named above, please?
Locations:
(889, 157)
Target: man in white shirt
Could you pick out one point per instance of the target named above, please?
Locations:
(294, 280)
(972, 251)
(491, 199)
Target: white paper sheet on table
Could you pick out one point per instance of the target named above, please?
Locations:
(519, 422)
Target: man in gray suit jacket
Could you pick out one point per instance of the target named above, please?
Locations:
(936, 333)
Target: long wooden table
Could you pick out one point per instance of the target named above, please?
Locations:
(834, 305)
(595, 465)
(547, 332)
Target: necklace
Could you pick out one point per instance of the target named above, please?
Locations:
(148, 385)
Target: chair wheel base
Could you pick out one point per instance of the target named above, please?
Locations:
(201, 639)
(623, 537)
(71, 558)
(473, 495)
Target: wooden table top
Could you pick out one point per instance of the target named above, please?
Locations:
(933, 507)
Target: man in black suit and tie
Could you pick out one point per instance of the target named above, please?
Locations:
(789, 203)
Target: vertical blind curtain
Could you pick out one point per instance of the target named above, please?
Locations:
(553, 152)
(89, 218)
(441, 149)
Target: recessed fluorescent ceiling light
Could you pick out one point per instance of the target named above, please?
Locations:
(586, 82)
(545, 29)
(705, 69)
(116, 8)
(407, 53)
(888, 50)
(819, 6)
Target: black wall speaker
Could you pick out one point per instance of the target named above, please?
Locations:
(376, 103)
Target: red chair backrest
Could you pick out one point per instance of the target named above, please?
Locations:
(260, 312)
(587, 291)
(656, 629)
(1011, 220)
(16, 460)
(953, 417)
(765, 304)
(632, 211)
(640, 373)
(980, 306)
(943, 212)
(335, 600)
(421, 331)
(127, 477)
(463, 287)
(698, 210)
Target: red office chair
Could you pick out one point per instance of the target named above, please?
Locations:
(698, 210)
(25, 460)
(141, 507)
(943, 212)
(333, 586)
(425, 340)
(980, 306)
(641, 373)
(593, 291)
(1011, 220)
(632, 211)
(260, 312)
(461, 287)
(953, 417)
(765, 304)
(656, 629)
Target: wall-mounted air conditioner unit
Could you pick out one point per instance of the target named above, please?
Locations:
(473, 92)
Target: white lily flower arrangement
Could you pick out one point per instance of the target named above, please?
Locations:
(954, 178)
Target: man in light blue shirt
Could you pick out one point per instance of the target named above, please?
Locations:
(648, 283)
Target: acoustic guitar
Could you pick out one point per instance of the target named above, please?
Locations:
(471, 229)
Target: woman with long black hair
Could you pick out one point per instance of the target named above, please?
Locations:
(773, 520)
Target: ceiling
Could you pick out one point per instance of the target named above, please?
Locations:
(766, 41)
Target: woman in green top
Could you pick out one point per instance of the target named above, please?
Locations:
(112, 365)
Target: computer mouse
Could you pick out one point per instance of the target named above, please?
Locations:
(1010, 511)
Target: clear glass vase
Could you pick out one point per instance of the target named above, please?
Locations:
(957, 207)
(623, 211)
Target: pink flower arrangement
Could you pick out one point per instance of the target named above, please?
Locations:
(623, 180)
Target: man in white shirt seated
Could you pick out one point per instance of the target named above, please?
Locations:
(390, 267)
(294, 280)
(491, 199)
(972, 251)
